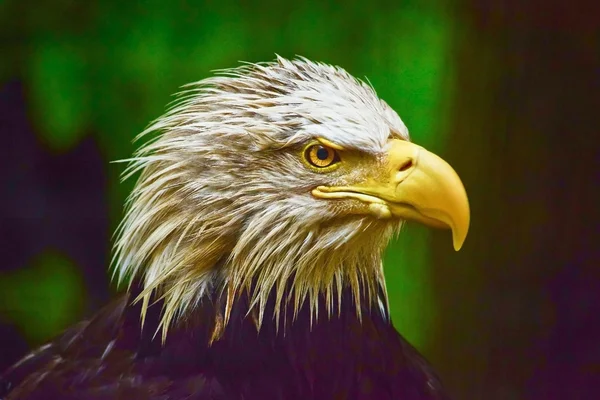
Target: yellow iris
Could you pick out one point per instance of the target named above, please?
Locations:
(320, 156)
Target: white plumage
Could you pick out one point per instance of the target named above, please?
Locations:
(224, 203)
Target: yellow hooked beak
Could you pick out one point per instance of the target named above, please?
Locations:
(417, 185)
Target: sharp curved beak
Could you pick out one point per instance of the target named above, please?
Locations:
(417, 185)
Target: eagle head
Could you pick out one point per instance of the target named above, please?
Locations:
(281, 180)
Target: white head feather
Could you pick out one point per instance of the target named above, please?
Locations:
(223, 201)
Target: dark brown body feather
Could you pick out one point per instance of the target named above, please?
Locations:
(110, 357)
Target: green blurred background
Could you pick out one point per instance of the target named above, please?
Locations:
(506, 92)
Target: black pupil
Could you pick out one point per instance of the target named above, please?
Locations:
(322, 154)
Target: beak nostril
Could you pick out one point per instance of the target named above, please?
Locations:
(406, 165)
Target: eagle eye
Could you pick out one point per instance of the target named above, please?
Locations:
(320, 156)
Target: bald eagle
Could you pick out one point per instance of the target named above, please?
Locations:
(251, 250)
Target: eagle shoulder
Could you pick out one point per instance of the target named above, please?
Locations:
(106, 357)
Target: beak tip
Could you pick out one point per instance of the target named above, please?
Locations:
(458, 239)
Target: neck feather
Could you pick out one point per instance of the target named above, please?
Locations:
(183, 253)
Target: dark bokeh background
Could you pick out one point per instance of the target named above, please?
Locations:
(507, 92)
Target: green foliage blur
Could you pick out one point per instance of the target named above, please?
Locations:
(110, 67)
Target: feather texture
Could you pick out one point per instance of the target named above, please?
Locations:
(223, 176)
(109, 357)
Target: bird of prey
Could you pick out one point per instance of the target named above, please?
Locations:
(251, 250)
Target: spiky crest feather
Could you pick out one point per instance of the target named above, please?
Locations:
(223, 201)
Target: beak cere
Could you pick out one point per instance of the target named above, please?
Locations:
(417, 186)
